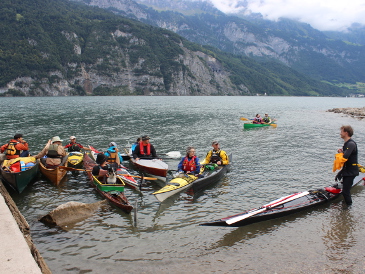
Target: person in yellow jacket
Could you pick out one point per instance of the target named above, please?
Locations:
(216, 156)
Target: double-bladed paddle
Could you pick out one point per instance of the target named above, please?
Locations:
(273, 204)
(126, 175)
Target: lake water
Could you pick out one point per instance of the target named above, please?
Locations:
(268, 163)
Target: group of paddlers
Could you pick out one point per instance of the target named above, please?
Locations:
(259, 120)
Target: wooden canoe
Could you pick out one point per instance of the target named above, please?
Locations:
(55, 175)
(19, 180)
(114, 193)
(89, 163)
(154, 167)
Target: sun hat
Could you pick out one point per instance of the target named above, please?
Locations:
(145, 137)
(72, 137)
(56, 139)
(113, 144)
(215, 143)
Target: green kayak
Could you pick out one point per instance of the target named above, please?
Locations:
(252, 125)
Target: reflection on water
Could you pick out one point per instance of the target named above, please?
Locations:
(268, 163)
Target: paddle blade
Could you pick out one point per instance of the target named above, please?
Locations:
(273, 125)
(174, 154)
(244, 119)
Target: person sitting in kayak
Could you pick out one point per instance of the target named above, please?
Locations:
(17, 147)
(73, 146)
(102, 169)
(257, 119)
(216, 156)
(144, 150)
(134, 145)
(189, 163)
(54, 151)
(113, 155)
(266, 119)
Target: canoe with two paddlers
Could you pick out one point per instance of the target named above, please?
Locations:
(253, 125)
(19, 172)
(283, 206)
(54, 174)
(209, 174)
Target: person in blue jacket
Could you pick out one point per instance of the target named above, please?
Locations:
(113, 155)
(189, 163)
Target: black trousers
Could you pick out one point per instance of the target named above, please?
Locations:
(347, 184)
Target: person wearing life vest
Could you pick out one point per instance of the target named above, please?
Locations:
(54, 152)
(189, 163)
(144, 150)
(73, 146)
(134, 145)
(17, 147)
(216, 156)
(350, 167)
(266, 119)
(257, 119)
(113, 155)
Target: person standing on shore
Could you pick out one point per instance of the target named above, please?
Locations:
(350, 167)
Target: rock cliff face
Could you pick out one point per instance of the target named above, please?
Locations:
(198, 74)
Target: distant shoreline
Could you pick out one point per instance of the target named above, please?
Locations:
(353, 112)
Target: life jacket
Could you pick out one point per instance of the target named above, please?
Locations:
(141, 149)
(215, 157)
(74, 147)
(53, 151)
(257, 120)
(266, 119)
(112, 157)
(11, 149)
(189, 165)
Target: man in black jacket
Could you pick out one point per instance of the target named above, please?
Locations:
(350, 168)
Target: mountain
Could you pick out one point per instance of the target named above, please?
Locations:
(61, 48)
(314, 53)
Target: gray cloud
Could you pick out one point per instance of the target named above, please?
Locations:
(320, 14)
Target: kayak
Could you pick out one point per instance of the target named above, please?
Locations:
(75, 159)
(175, 186)
(209, 174)
(154, 167)
(19, 172)
(252, 125)
(283, 206)
(89, 163)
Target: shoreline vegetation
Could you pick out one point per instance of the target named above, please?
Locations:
(353, 112)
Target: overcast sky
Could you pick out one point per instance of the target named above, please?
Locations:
(320, 14)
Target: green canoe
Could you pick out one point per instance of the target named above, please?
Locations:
(251, 125)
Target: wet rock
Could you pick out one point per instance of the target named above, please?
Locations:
(70, 213)
(353, 112)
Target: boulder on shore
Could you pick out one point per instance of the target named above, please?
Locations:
(353, 112)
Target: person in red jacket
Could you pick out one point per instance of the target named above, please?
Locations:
(17, 147)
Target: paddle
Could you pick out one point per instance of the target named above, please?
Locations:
(81, 169)
(172, 154)
(273, 204)
(244, 119)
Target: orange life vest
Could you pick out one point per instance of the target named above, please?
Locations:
(141, 148)
(189, 165)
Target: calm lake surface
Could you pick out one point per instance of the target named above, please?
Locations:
(267, 164)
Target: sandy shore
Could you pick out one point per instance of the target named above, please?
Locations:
(353, 112)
